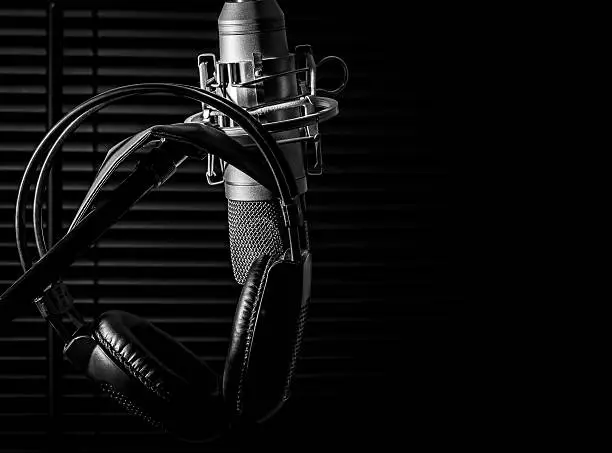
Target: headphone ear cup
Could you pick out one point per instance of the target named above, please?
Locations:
(265, 338)
(243, 328)
(151, 375)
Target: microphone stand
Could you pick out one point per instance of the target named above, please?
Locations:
(152, 170)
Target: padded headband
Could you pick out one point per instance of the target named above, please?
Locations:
(198, 139)
(267, 146)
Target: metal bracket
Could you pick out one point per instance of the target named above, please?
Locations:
(313, 147)
(313, 144)
(244, 81)
(207, 62)
(212, 176)
(308, 81)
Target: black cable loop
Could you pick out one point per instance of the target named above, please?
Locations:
(345, 77)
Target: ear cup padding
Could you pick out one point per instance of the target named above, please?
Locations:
(243, 328)
(158, 377)
(264, 343)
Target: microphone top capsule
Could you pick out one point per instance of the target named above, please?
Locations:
(247, 17)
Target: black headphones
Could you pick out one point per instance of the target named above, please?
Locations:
(141, 367)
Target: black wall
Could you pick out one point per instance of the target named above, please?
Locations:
(387, 359)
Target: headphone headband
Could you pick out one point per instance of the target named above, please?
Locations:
(195, 140)
(266, 144)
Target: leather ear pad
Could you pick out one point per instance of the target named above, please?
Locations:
(155, 377)
(243, 328)
(267, 328)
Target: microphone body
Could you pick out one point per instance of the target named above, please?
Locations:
(252, 34)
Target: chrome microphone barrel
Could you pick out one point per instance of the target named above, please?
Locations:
(256, 71)
(252, 37)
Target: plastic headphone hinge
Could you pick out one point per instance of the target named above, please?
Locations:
(56, 302)
(79, 349)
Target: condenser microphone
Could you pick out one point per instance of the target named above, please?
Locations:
(255, 31)
(256, 70)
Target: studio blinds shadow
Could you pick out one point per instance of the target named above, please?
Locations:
(375, 213)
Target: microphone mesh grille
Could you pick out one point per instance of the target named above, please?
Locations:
(254, 230)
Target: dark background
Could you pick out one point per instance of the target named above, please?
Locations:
(388, 359)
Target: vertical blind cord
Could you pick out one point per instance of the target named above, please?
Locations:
(54, 112)
(95, 144)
